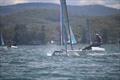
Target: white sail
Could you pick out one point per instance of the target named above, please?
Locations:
(72, 37)
(67, 35)
(2, 41)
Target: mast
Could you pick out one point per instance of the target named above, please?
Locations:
(65, 22)
(89, 31)
(61, 31)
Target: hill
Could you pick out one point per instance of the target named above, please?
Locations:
(39, 26)
(89, 10)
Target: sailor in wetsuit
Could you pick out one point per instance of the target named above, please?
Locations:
(96, 43)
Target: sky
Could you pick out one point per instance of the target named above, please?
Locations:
(109, 3)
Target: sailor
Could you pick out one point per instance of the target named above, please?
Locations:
(9, 43)
(98, 42)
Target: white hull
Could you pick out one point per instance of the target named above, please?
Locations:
(97, 49)
(77, 52)
(6, 47)
(13, 47)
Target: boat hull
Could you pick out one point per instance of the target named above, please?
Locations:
(78, 52)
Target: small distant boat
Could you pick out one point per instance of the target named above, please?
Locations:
(89, 37)
(11, 45)
(3, 43)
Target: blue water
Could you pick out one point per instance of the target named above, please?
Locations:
(32, 63)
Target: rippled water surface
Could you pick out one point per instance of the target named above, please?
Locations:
(32, 63)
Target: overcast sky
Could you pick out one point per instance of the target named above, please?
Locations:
(109, 3)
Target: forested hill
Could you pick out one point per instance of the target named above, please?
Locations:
(39, 26)
(88, 10)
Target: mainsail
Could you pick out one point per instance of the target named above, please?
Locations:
(72, 37)
(67, 35)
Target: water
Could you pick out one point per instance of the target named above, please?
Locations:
(32, 63)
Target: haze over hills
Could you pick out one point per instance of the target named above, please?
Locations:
(88, 10)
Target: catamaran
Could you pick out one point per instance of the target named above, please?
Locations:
(67, 36)
(89, 37)
(2, 42)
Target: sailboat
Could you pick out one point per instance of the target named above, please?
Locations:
(67, 36)
(89, 37)
(2, 41)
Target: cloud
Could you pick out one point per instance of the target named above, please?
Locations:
(5, 2)
(109, 3)
(114, 6)
(44, 1)
(91, 2)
